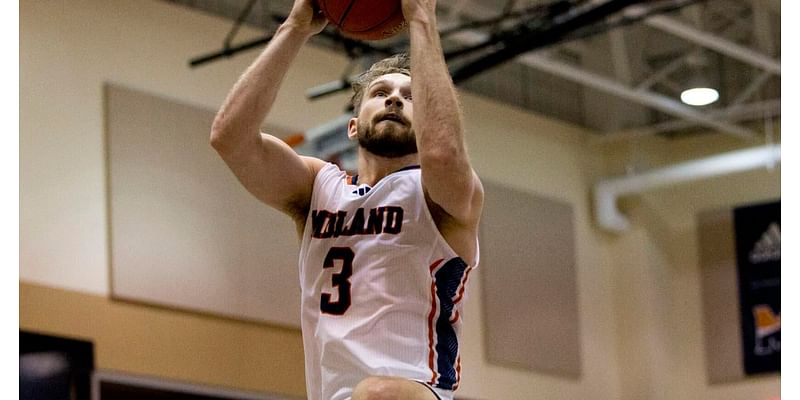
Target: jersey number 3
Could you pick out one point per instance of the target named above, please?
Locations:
(341, 280)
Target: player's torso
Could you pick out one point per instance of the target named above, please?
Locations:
(367, 267)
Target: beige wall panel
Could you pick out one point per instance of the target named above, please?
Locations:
(184, 232)
(721, 318)
(530, 298)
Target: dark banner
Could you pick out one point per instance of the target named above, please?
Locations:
(758, 259)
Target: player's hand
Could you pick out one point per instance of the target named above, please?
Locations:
(419, 10)
(306, 17)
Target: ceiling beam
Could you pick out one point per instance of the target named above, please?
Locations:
(714, 42)
(654, 100)
(456, 8)
(619, 56)
(751, 88)
(760, 110)
(666, 70)
(762, 29)
(588, 78)
(526, 37)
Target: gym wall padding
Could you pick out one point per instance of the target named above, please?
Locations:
(721, 330)
(530, 282)
(183, 232)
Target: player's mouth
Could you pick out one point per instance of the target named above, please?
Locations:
(394, 117)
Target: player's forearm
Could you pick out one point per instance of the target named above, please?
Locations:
(239, 119)
(437, 115)
(437, 122)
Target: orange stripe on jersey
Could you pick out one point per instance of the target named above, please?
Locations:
(455, 317)
(463, 286)
(458, 372)
(431, 318)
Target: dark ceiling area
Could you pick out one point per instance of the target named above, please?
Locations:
(616, 67)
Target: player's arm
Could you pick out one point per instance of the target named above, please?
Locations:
(446, 172)
(266, 166)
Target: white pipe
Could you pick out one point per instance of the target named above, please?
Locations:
(607, 191)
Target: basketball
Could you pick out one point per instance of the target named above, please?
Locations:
(364, 19)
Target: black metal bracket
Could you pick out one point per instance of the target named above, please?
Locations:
(539, 26)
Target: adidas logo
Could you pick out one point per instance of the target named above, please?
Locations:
(768, 248)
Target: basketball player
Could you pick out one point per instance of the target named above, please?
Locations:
(386, 254)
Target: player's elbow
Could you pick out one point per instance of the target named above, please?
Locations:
(221, 137)
(215, 140)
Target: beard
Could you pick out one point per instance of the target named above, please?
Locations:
(388, 139)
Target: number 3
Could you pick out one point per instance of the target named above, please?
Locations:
(341, 281)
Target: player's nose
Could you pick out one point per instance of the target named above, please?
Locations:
(394, 101)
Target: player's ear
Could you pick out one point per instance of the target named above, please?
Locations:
(352, 128)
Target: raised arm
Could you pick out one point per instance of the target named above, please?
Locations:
(268, 168)
(447, 175)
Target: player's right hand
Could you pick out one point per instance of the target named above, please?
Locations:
(306, 16)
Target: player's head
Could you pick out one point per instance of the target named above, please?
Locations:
(383, 108)
(398, 63)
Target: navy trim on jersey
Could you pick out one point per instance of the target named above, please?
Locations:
(354, 178)
(366, 189)
(410, 167)
(448, 280)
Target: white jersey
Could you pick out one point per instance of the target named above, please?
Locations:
(381, 289)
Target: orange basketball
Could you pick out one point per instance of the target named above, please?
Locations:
(365, 19)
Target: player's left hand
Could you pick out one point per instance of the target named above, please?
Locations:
(419, 10)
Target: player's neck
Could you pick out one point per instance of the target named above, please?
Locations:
(372, 168)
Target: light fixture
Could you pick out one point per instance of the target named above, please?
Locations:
(698, 92)
(699, 96)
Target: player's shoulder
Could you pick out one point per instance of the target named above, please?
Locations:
(328, 179)
(314, 165)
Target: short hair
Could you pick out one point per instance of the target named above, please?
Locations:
(398, 63)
